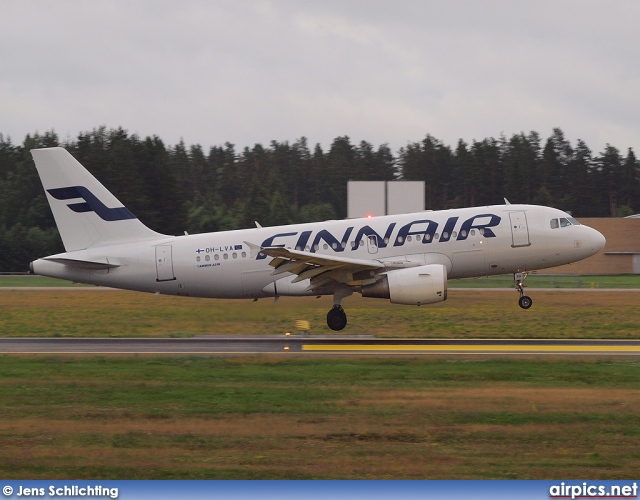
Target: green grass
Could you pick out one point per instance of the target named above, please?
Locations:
(215, 418)
(553, 281)
(28, 280)
(504, 281)
(465, 314)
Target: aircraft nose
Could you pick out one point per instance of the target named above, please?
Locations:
(597, 241)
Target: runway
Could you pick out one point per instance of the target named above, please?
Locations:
(330, 345)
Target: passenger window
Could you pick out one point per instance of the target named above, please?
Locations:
(554, 224)
(564, 222)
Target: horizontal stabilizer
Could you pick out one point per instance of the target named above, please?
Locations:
(84, 264)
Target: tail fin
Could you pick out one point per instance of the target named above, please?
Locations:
(80, 204)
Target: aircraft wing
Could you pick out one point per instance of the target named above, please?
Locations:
(321, 269)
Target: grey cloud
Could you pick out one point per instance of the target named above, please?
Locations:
(250, 72)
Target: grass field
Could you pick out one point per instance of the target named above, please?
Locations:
(505, 281)
(553, 281)
(261, 417)
(466, 314)
(27, 280)
(240, 418)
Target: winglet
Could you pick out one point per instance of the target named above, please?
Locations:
(253, 249)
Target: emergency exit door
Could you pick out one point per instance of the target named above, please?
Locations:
(164, 263)
(372, 244)
(519, 229)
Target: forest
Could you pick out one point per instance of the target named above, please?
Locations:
(180, 188)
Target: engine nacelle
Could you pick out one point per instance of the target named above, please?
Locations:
(413, 286)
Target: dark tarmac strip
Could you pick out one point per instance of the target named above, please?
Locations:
(317, 345)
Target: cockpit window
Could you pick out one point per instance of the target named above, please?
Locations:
(563, 222)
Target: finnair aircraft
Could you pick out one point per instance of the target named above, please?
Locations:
(404, 258)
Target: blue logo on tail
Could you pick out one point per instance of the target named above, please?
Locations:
(91, 204)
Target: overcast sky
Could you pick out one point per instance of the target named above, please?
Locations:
(381, 71)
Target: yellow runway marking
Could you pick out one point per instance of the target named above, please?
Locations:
(484, 348)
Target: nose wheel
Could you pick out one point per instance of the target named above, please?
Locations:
(337, 318)
(525, 301)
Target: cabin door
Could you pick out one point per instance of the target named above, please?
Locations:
(519, 229)
(164, 263)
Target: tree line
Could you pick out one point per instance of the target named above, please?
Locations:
(180, 188)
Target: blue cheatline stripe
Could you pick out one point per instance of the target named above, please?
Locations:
(93, 204)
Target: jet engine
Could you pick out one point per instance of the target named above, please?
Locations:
(412, 286)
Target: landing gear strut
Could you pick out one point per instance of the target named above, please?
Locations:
(337, 318)
(525, 301)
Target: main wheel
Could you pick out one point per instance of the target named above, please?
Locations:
(525, 302)
(336, 319)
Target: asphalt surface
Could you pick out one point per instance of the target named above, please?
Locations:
(331, 345)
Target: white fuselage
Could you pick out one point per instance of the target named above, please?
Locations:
(469, 242)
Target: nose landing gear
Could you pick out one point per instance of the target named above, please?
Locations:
(525, 301)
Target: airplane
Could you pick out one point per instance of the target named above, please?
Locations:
(406, 258)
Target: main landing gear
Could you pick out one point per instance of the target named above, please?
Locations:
(525, 301)
(337, 318)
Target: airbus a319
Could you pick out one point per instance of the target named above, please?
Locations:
(404, 258)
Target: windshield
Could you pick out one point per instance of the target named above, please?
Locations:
(563, 222)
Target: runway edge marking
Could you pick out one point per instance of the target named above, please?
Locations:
(458, 348)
